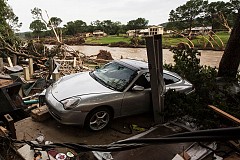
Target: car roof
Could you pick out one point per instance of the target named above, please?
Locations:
(141, 65)
(137, 64)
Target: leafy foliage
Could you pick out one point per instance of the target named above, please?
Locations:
(55, 21)
(186, 14)
(74, 27)
(208, 91)
(8, 24)
(37, 26)
(139, 23)
(136, 41)
(197, 13)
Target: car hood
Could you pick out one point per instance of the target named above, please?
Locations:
(77, 85)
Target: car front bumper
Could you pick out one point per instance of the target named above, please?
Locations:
(60, 114)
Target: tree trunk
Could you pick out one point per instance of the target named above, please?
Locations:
(229, 63)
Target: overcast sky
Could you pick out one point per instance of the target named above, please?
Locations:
(156, 11)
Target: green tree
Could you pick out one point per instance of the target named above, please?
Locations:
(110, 27)
(37, 14)
(8, 20)
(184, 16)
(54, 21)
(37, 26)
(139, 23)
(221, 15)
(8, 24)
(96, 25)
(72, 28)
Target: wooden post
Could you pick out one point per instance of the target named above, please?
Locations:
(10, 125)
(154, 54)
(15, 59)
(26, 73)
(51, 66)
(1, 64)
(30, 67)
(74, 62)
(56, 76)
(9, 61)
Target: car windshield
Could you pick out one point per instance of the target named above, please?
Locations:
(114, 75)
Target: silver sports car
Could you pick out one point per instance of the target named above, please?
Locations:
(119, 88)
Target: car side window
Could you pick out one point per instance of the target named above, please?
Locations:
(142, 81)
(168, 79)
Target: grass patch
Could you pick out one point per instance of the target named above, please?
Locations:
(199, 41)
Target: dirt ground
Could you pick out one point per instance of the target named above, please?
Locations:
(28, 129)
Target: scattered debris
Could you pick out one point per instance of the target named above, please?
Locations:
(198, 152)
(103, 155)
(40, 113)
(103, 54)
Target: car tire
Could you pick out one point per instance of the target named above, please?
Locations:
(98, 119)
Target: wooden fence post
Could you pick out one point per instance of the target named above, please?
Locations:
(26, 73)
(30, 67)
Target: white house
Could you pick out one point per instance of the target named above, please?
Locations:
(131, 33)
(200, 30)
(99, 33)
(155, 30)
(151, 30)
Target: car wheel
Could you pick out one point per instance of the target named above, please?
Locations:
(98, 119)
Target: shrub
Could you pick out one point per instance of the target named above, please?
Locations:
(187, 65)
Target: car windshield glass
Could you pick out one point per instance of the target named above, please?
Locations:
(114, 76)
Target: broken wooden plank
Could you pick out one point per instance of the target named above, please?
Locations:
(56, 76)
(4, 82)
(9, 61)
(225, 114)
(3, 131)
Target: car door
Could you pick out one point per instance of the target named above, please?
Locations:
(137, 101)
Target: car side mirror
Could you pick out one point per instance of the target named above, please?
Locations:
(138, 88)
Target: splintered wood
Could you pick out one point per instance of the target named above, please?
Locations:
(69, 66)
(228, 116)
(4, 82)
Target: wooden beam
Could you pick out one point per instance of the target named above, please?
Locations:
(10, 125)
(9, 61)
(26, 73)
(30, 64)
(15, 59)
(226, 115)
(74, 62)
(55, 76)
(1, 64)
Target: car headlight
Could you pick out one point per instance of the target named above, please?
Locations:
(70, 103)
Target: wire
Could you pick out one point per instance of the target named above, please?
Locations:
(198, 136)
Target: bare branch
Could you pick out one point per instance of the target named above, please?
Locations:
(192, 45)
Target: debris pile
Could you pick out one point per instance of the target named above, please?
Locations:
(103, 54)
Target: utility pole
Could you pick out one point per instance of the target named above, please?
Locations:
(155, 63)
